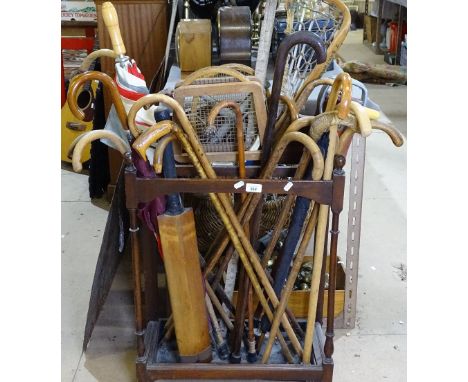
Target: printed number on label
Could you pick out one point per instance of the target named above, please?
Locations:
(253, 187)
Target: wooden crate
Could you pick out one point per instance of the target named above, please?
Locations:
(370, 25)
(299, 299)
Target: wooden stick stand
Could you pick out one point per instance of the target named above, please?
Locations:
(148, 368)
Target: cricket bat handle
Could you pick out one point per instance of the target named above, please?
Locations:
(111, 20)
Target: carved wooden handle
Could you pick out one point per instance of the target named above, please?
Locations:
(80, 142)
(75, 85)
(111, 20)
(94, 55)
(159, 151)
(363, 121)
(151, 135)
(211, 71)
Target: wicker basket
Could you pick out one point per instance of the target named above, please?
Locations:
(208, 224)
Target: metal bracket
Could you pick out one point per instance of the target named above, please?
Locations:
(357, 160)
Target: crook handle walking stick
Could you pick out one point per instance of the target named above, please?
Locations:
(95, 55)
(301, 37)
(243, 294)
(80, 142)
(109, 84)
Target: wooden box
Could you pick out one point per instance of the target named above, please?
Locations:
(370, 25)
(299, 299)
(193, 39)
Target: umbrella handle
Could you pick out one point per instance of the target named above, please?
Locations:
(80, 142)
(95, 55)
(211, 71)
(108, 82)
(111, 20)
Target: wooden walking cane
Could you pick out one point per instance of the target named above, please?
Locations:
(289, 41)
(342, 81)
(343, 108)
(109, 83)
(246, 285)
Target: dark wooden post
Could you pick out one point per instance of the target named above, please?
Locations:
(336, 207)
(132, 205)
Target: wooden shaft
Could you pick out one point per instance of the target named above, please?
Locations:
(239, 129)
(222, 267)
(214, 320)
(328, 349)
(311, 224)
(321, 296)
(168, 329)
(281, 221)
(218, 306)
(137, 295)
(342, 81)
(236, 339)
(111, 20)
(80, 79)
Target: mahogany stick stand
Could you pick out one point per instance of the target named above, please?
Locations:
(148, 365)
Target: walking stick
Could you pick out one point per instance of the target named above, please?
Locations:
(246, 286)
(343, 81)
(77, 146)
(110, 85)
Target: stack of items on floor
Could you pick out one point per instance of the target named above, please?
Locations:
(229, 287)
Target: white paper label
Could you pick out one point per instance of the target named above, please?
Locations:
(288, 186)
(239, 184)
(253, 187)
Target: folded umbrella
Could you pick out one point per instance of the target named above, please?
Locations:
(128, 77)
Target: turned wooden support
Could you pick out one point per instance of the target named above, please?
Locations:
(130, 179)
(336, 208)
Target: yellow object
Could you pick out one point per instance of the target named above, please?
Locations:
(193, 41)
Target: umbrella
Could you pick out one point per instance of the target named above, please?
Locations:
(128, 77)
(132, 86)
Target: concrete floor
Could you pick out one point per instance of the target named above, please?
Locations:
(375, 350)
